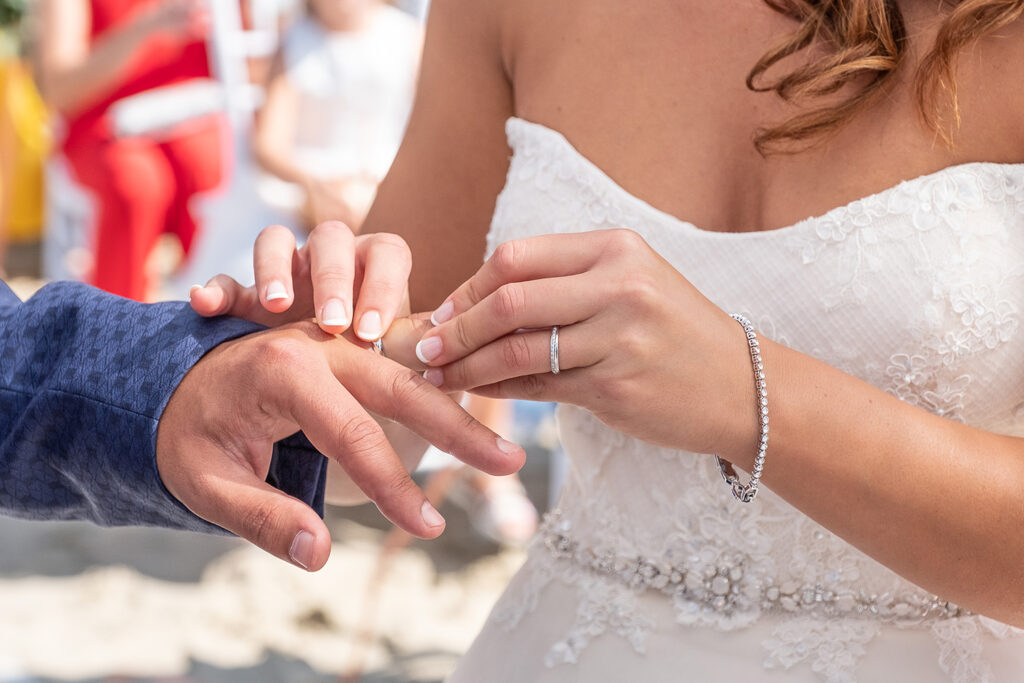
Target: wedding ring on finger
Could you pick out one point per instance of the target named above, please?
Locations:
(554, 351)
(378, 347)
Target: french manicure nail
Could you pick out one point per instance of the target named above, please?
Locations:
(431, 516)
(301, 552)
(334, 314)
(192, 290)
(507, 446)
(276, 291)
(434, 376)
(443, 313)
(429, 349)
(370, 326)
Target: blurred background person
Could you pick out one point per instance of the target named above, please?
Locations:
(93, 54)
(338, 98)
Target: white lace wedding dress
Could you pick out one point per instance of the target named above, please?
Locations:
(649, 570)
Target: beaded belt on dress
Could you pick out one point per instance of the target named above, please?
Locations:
(728, 588)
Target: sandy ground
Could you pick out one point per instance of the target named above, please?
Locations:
(81, 603)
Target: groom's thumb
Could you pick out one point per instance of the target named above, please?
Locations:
(231, 496)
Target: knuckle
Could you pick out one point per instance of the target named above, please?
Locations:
(333, 272)
(506, 257)
(457, 375)
(516, 352)
(531, 386)
(463, 336)
(405, 389)
(472, 291)
(393, 485)
(258, 523)
(639, 290)
(392, 242)
(452, 437)
(622, 242)
(331, 230)
(384, 287)
(624, 238)
(361, 435)
(280, 351)
(509, 302)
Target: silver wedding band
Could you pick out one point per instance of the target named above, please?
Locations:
(554, 351)
(378, 347)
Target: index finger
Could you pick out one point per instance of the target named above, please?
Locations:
(532, 258)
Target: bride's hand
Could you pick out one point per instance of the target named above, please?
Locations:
(335, 277)
(639, 346)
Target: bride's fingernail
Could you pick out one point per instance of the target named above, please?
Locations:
(276, 291)
(443, 313)
(434, 376)
(301, 552)
(370, 326)
(429, 349)
(507, 446)
(192, 290)
(431, 516)
(334, 314)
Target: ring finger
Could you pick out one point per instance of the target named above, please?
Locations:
(517, 355)
(514, 306)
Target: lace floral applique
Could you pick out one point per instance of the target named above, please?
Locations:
(833, 647)
(960, 650)
(603, 606)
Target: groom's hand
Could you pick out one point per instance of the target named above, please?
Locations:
(216, 436)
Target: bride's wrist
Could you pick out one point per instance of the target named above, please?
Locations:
(741, 435)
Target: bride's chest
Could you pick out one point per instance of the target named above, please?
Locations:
(655, 94)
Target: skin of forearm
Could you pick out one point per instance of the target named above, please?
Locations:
(936, 501)
(72, 88)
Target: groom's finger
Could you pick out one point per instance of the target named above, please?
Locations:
(386, 262)
(404, 396)
(272, 259)
(331, 248)
(342, 430)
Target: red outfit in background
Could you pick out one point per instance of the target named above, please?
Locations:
(143, 186)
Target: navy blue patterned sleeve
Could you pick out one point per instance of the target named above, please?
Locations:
(84, 378)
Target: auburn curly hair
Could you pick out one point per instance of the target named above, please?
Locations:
(867, 40)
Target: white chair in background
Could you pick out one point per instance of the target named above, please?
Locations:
(233, 215)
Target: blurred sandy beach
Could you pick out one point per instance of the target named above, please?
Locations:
(82, 603)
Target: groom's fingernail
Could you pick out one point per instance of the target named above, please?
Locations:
(443, 313)
(301, 552)
(370, 326)
(276, 291)
(429, 349)
(431, 516)
(334, 314)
